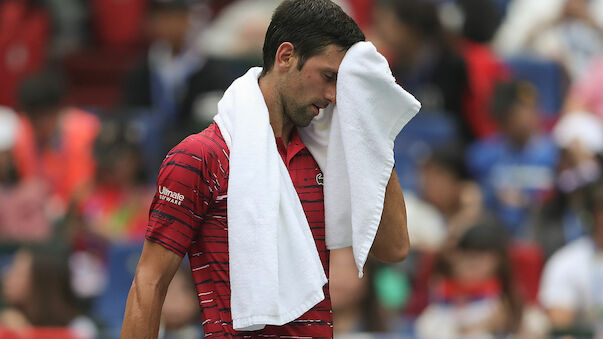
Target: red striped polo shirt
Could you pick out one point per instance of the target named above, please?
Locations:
(188, 216)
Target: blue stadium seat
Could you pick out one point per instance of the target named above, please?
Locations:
(109, 307)
(426, 131)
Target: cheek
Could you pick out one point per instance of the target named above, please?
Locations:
(311, 87)
(437, 187)
(291, 90)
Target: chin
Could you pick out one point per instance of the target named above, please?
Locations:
(304, 123)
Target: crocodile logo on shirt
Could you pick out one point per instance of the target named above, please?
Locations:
(319, 179)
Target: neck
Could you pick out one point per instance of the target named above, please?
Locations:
(281, 124)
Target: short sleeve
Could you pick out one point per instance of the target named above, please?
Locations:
(557, 288)
(181, 199)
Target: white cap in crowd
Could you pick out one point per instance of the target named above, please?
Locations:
(583, 127)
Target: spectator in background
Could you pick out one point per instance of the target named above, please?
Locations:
(24, 35)
(54, 143)
(180, 317)
(427, 228)
(356, 308)
(22, 204)
(70, 19)
(409, 34)
(571, 283)
(585, 92)
(116, 204)
(446, 185)
(514, 168)
(237, 33)
(567, 31)
(473, 293)
(37, 289)
(173, 81)
(580, 139)
(479, 21)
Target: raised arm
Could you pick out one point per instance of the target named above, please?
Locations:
(155, 270)
(391, 242)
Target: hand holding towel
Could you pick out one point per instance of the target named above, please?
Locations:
(353, 143)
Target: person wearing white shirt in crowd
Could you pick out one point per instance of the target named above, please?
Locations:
(572, 283)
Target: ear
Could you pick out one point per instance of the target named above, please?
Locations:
(285, 56)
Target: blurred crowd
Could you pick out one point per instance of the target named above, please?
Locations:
(501, 169)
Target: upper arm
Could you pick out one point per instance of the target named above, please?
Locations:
(181, 200)
(157, 265)
(391, 243)
(155, 270)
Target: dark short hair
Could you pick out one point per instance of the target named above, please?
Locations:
(482, 19)
(310, 25)
(41, 91)
(508, 94)
(451, 159)
(484, 237)
(418, 15)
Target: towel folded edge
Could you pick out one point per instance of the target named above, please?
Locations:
(384, 178)
(250, 323)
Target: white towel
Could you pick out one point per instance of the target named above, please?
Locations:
(284, 277)
(275, 271)
(353, 144)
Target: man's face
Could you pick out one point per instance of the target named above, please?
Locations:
(303, 92)
(522, 122)
(170, 25)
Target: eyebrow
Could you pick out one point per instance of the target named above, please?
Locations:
(329, 69)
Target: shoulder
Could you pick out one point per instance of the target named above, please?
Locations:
(80, 124)
(76, 116)
(566, 274)
(575, 250)
(571, 256)
(484, 152)
(206, 143)
(203, 153)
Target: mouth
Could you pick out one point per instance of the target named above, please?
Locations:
(316, 109)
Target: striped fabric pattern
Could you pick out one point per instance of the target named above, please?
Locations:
(197, 169)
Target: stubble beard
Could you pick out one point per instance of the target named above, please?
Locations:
(297, 114)
(300, 117)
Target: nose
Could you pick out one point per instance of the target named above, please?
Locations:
(331, 94)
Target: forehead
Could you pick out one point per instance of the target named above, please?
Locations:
(328, 59)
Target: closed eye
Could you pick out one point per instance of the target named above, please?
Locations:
(329, 77)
